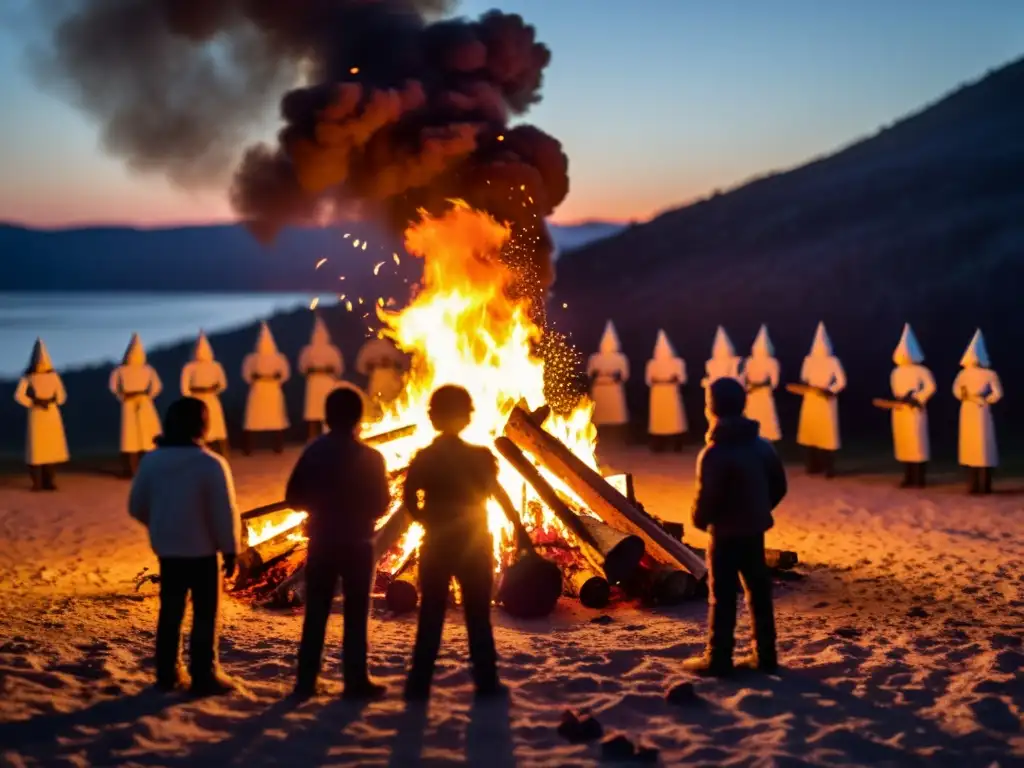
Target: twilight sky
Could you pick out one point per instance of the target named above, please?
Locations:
(657, 102)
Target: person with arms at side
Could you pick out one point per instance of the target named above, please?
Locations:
(321, 363)
(41, 391)
(185, 495)
(740, 480)
(343, 485)
(447, 487)
(135, 384)
(204, 378)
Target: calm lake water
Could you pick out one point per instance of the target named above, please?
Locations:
(84, 328)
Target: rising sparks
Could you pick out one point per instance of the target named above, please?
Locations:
(320, 263)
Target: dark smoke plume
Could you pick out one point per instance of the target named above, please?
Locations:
(398, 110)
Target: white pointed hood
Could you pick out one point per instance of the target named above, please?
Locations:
(722, 348)
(203, 352)
(265, 343)
(663, 347)
(822, 344)
(908, 351)
(320, 337)
(40, 361)
(610, 340)
(976, 355)
(136, 353)
(762, 346)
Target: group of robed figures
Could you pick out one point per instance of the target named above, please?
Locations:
(136, 384)
(822, 379)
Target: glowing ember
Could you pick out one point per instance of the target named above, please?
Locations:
(462, 328)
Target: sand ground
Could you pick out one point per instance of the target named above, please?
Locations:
(903, 640)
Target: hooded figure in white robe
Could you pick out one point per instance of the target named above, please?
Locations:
(609, 371)
(135, 384)
(724, 362)
(761, 372)
(977, 387)
(322, 365)
(41, 391)
(824, 377)
(912, 384)
(665, 374)
(204, 378)
(383, 365)
(265, 370)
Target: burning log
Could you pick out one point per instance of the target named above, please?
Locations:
(616, 553)
(530, 586)
(387, 536)
(659, 584)
(597, 494)
(592, 589)
(386, 437)
(781, 559)
(254, 559)
(402, 596)
(266, 509)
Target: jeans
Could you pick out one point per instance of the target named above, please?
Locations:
(179, 577)
(729, 560)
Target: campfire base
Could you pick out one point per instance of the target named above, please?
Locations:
(530, 587)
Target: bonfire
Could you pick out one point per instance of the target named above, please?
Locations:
(462, 326)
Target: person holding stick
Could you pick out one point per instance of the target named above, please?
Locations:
(447, 487)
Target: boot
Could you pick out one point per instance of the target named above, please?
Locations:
(922, 471)
(974, 481)
(986, 480)
(35, 472)
(708, 665)
(247, 442)
(365, 690)
(214, 684)
(813, 462)
(179, 680)
(49, 478)
(828, 463)
(909, 476)
(755, 662)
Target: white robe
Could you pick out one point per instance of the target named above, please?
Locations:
(761, 399)
(608, 394)
(135, 386)
(265, 408)
(381, 362)
(819, 414)
(45, 442)
(977, 431)
(322, 366)
(722, 368)
(200, 375)
(910, 439)
(667, 416)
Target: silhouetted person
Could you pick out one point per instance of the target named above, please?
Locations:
(447, 487)
(185, 495)
(740, 480)
(343, 485)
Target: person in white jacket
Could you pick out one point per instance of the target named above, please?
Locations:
(322, 365)
(912, 386)
(978, 388)
(204, 378)
(185, 496)
(724, 362)
(135, 384)
(665, 374)
(265, 370)
(383, 365)
(824, 378)
(608, 370)
(41, 391)
(761, 372)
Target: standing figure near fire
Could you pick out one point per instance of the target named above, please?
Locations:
(609, 371)
(912, 385)
(724, 361)
(740, 481)
(135, 384)
(665, 374)
(977, 387)
(265, 370)
(761, 372)
(41, 391)
(343, 486)
(447, 487)
(823, 378)
(383, 364)
(322, 365)
(204, 379)
(185, 495)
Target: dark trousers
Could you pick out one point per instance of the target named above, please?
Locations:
(180, 577)
(821, 462)
(979, 480)
(731, 559)
(473, 567)
(44, 477)
(354, 566)
(914, 474)
(662, 443)
(130, 463)
(248, 440)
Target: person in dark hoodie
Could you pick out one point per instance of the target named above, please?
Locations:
(447, 487)
(185, 495)
(343, 485)
(740, 480)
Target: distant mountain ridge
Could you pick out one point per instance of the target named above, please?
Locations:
(218, 257)
(921, 223)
